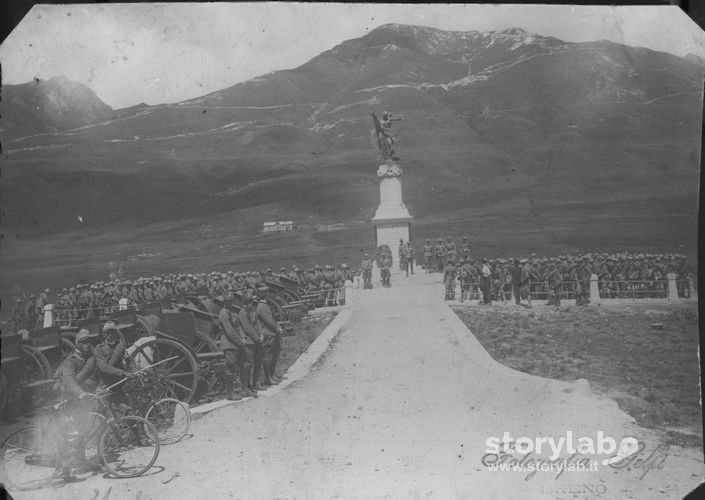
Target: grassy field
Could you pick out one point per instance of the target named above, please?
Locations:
(307, 331)
(35, 258)
(653, 373)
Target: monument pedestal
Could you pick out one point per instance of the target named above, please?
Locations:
(392, 219)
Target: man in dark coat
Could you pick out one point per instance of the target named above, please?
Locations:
(272, 333)
(78, 378)
(238, 359)
(250, 324)
(486, 282)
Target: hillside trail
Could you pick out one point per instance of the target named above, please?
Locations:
(401, 406)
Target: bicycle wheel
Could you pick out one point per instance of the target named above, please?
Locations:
(171, 418)
(129, 446)
(29, 459)
(93, 426)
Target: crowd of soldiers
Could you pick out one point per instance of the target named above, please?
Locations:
(620, 275)
(82, 301)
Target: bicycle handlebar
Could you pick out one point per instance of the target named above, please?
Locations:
(107, 389)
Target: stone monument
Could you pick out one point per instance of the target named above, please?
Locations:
(392, 219)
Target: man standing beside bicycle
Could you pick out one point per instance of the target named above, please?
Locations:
(78, 379)
(111, 363)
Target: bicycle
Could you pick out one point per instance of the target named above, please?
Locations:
(37, 455)
(170, 416)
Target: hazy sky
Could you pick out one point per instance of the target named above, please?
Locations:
(155, 53)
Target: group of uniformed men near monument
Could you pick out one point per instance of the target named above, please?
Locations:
(82, 301)
(541, 276)
(620, 275)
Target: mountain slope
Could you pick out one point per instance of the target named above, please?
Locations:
(52, 105)
(499, 123)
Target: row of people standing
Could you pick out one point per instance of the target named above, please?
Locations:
(436, 256)
(252, 343)
(622, 275)
(87, 300)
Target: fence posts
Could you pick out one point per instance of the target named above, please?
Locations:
(594, 290)
(672, 290)
(348, 293)
(48, 315)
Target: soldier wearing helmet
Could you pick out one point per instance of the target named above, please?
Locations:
(402, 254)
(30, 313)
(409, 257)
(18, 320)
(252, 328)
(449, 275)
(451, 250)
(112, 363)
(427, 256)
(439, 252)
(110, 355)
(77, 378)
(366, 266)
(233, 343)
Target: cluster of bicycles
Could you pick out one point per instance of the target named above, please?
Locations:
(123, 439)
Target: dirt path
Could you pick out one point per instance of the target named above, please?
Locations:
(399, 407)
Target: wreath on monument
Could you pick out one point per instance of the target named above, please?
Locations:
(389, 170)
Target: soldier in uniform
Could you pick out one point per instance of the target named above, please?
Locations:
(584, 272)
(451, 250)
(409, 258)
(486, 282)
(340, 277)
(516, 273)
(440, 254)
(328, 284)
(428, 256)
(555, 279)
(42, 300)
(683, 276)
(134, 294)
(250, 324)
(527, 275)
(318, 273)
(272, 333)
(366, 266)
(449, 274)
(311, 280)
(465, 248)
(384, 264)
(402, 255)
(502, 279)
(466, 272)
(301, 278)
(238, 360)
(111, 365)
(77, 379)
(18, 320)
(149, 293)
(30, 313)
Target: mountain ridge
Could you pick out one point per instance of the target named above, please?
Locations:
(53, 105)
(499, 122)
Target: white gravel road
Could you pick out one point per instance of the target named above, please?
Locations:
(400, 406)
